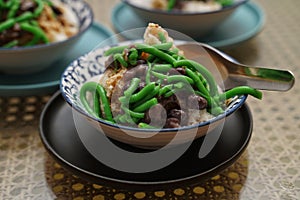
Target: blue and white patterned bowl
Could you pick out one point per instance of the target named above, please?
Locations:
(89, 67)
(26, 60)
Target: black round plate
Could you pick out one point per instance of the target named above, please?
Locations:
(59, 136)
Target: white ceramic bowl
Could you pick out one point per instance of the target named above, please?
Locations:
(193, 24)
(26, 60)
(89, 67)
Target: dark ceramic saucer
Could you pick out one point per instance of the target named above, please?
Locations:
(59, 136)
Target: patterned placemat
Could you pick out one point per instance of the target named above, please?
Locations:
(226, 185)
(269, 169)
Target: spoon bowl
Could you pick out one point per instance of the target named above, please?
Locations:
(235, 74)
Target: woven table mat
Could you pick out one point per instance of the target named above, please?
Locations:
(269, 168)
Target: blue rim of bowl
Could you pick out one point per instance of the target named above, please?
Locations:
(39, 46)
(178, 13)
(242, 99)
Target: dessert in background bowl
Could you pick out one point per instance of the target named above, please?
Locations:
(193, 18)
(34, 34)
(149, 93)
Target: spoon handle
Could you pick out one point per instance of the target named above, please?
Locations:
(236, 74)
(259, 78)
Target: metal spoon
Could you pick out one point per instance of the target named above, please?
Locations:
(236, 74)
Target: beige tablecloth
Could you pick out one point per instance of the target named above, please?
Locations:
(268, 169)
